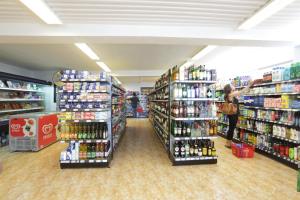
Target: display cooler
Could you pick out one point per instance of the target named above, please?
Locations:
(32, 131)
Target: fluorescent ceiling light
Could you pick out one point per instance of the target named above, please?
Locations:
(103, 66)
(203, 52)
(40, 8)
(87, 50)
(268, 10)
(118, 80)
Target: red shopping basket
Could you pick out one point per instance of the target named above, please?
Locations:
(139, 109)
(242, 150)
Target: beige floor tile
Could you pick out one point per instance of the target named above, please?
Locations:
(141, 170)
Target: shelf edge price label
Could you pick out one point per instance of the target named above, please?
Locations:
(91, 161)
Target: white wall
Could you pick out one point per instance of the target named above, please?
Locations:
(236, 61)
(137, 86)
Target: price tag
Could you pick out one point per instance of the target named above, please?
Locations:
(188, 158)
(73, 161)
(104, 160)
(201, 158)
(88, 120)
(88, 141)
(75, 109)
(98, 161)
(90, 100)
(63, 110)
(193, 158)
(91, 161)
(86, 109)
(76, 120)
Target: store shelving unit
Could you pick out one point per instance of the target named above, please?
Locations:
(271, 138)
(18, 95)
(164, 133)
(118, 113)
(92, 120)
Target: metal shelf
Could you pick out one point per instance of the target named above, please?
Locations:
(194, 160)
(85, 120)
(193, 118)
(194, 138)
(270, 121)
(82, 100)
(21, 90)
(14, 100)
(277, 82)
(83, 91)
(85, 140)
(263, 108)
(118, 87)
(21, 110)
(282, 159)
(194, 99)
(87, 110)
(193, 81)
(286, 139)
(160, 126)
(160, 100)
(162, 114)
(84, 80)
(273, 94)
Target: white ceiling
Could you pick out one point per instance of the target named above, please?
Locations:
(136, 37)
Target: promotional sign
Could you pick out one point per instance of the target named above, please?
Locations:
(47, 130)
(22, 127)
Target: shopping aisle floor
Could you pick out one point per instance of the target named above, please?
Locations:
(141, 170)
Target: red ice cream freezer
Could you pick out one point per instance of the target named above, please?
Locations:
(32, 131)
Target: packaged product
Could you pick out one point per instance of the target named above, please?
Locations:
(286, 74)
(297, 65)
(293, 72)
(285, 101)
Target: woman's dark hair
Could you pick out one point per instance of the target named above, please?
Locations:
(227, 91)
(134, 94)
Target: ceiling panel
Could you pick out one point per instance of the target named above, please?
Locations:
(290, 15)
(220, 13)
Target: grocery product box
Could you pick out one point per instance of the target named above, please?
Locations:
(285, 101)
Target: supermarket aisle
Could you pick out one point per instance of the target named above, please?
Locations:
(142, 170)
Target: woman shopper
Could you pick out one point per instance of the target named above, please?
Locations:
(230, 96)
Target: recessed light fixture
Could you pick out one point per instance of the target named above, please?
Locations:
(199, 55)
(203, 52)
(103, 66)
(40, 8)
(87, 50)
(268, 10)
(118, 80)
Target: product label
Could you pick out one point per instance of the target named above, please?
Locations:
(47, 126)
(22, 127)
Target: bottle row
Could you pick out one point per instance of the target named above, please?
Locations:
(73, 74)
(85, 151)
(285, 101)
(79, 131)
(83, 105)
(162, 81)
(194, 148)
(117, 91)
(85, 86)
(84, 115)
(164, 122)
(194, 73)
(163, 134)
(282, 74)
(161, 107)
(162, 94)
(193, 109)
(20, 95)
(275, 89)
(194, 129)
(287, 117)
(15, 106)
(84, 96)
(193, 91)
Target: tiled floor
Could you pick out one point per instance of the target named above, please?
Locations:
(142, 170)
